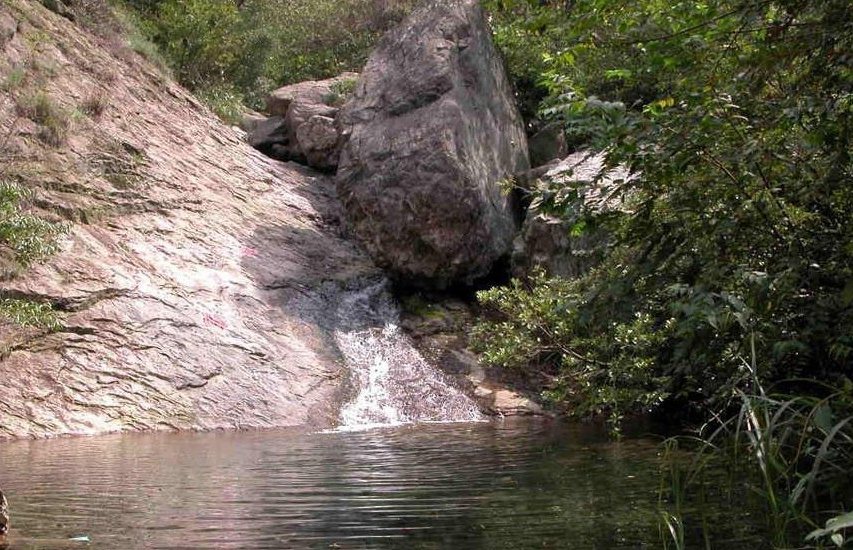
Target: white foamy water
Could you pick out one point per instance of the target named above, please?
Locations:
(394, 384)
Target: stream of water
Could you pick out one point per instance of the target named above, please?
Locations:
(392, 383)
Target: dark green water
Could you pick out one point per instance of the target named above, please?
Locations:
(523, 484)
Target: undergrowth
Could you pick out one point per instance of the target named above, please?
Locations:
(29, 237)
(787, 460)
(54, 121)
(28, 313)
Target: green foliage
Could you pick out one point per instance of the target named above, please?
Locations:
(789, 462)
(201, 38)
(834, 529)
(736, 118)
(136, 31)
(225, 101)
(27, 313)
(248, 48)
(14, 79)
(29, 237)
(605, 360)
(344, 87)
(528, 33)
(341, 91)
(415, 304)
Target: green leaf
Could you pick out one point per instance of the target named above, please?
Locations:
(840, 522)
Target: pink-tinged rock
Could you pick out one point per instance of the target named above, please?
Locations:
(192, 280)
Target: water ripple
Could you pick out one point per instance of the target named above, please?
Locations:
(486, 485)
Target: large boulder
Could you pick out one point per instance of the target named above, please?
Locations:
(431, 131)
(265, 133)
(318, 141)
(250, 120)
(311, 92)
(548, 242)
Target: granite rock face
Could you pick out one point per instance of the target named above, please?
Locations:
(191, 283)
(547, 144)
(430, 132)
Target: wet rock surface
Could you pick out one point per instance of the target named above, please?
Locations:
(188, 281)
(430, 131)
(440, 327)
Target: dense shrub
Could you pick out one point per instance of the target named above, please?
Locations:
(737, 118)
(27, 237)
(245, 49)
(27, 313)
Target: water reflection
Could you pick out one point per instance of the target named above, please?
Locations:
(490, 485)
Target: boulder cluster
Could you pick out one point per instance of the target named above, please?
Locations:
(426, 143)
(300, 122)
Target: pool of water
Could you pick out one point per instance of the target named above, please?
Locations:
(519, 484)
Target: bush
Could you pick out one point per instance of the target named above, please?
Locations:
(201, 39)
(250, 49)
(787, 458)
(737, 119)
(605, 359)
(27, 313)
(340, 91)
(54, 121)
(223, 100)
(30, 238)
(131, 30)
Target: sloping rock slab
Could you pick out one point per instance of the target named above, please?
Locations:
(187, 293)
(432, 128)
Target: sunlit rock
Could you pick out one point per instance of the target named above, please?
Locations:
(431, 131)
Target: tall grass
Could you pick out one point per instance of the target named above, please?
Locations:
(54, 121)
(789, 460)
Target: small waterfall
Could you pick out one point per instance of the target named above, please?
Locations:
(394, 384)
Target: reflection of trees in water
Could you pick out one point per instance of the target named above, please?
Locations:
(577, 490)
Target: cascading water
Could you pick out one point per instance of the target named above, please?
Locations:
(394, 384)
